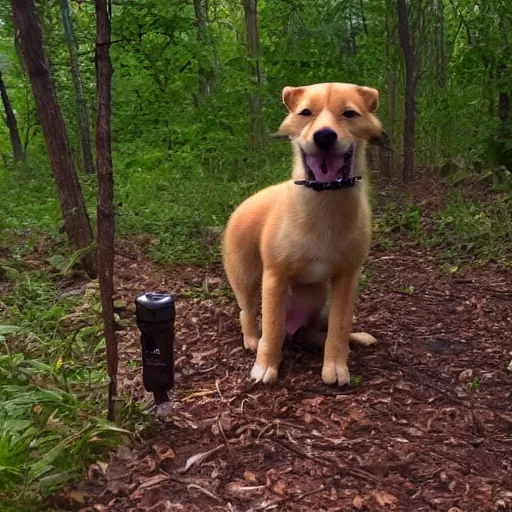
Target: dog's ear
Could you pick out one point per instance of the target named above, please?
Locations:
(291, 96)
(371, 98)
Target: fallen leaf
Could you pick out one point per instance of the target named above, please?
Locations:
(279, 488)
(103, 466)
(238, 488)
(78, 496)
(384, 498)
(147, 465)
(163, 452)
(308, 418)
(198, 458)
(250, 477)
(197, 394)
(154, 480)
(358, 502)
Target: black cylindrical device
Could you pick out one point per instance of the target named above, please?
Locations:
(155, 320)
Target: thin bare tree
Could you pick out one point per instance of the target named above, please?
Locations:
(74, 212)
(82, 113)
(105, 208)
(10, 120)
(411, 81)
(253, 45)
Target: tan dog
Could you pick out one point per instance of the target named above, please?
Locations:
(300, 241)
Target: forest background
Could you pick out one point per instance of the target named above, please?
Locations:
(196, 93)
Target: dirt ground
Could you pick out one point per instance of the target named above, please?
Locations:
(426, 426)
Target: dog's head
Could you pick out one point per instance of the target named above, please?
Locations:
(325, 122)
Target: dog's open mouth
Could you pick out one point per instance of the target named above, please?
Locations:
(328, 167)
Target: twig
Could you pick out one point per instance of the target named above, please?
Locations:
(306, 494)
(226, 442)
(218, 390)
(204, 491)
(357, 473)
(242, 405)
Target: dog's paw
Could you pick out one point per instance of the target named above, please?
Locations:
(333, 372)
(264, 373)
(251, 343)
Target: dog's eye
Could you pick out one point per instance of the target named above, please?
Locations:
(306, 112)
(350, 114)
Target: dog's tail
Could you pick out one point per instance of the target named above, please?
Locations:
(363, 338)
(314, 339)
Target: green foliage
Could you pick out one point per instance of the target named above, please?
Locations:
(401, 216)
(182, 163)
(52, 388)
(475, 384)
(474, 232)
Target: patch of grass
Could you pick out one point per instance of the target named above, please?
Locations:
(209, 292)
(182, 202)
(52, 390)
(355, 380)
(397, 217)
(363, 280)
(473, 232)
(178, 199)
(466, 232)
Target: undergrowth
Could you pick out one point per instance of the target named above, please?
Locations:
(471, 232)
(180, 201)
(464, 232)
(184, 202)
(52, 388)
(52, 361)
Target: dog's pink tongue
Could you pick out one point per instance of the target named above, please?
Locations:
(325, 168)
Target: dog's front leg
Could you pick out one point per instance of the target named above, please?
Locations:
(343, 297)
(268, 356)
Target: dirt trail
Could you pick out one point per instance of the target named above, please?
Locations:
(427, 426)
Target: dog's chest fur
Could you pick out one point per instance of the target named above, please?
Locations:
(324, 237)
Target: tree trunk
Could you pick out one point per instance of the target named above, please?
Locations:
(391, 76)
(205, 75)
(410, 66)
(363, 18)
(251, 29)
(81, 102)
(442, 81)
(105, 210)
(352, 34)
(74, 211)
(12, 125)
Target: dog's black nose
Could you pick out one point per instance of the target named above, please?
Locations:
(325, 138)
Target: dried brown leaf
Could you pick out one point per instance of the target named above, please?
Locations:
(279, 488)
(250, 477)
(384, 498)
(240, 488)
(163, 452)
(358, 502)
(154, 480)
(198, 458)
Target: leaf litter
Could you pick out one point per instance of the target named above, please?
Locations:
(412, 433)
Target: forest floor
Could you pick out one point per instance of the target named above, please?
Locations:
(426, 424)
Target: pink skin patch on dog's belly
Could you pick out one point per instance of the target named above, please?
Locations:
(298, 314)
